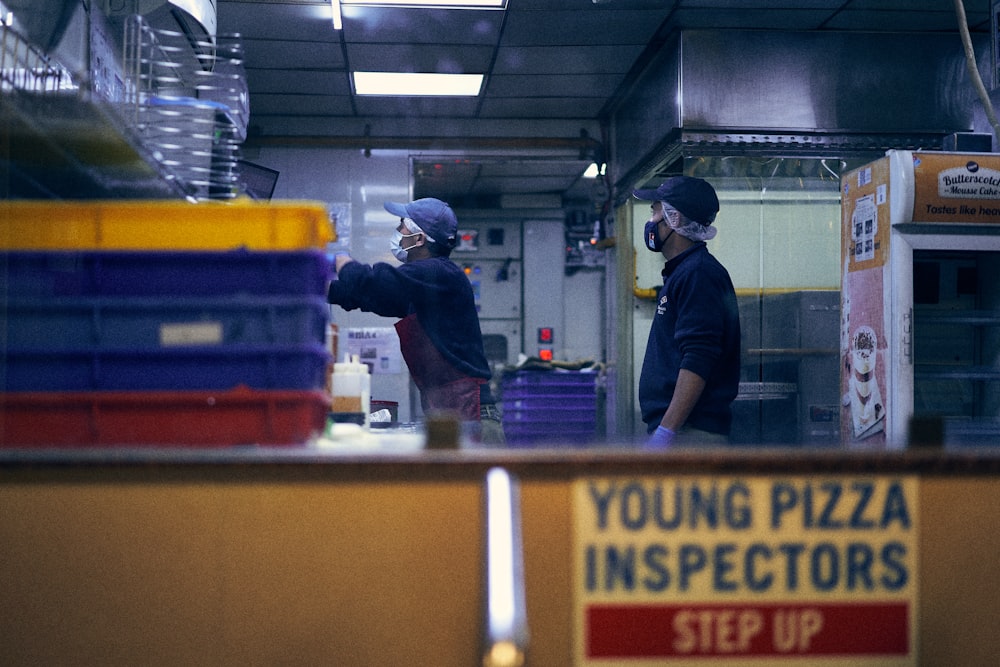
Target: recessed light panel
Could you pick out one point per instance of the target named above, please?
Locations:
(413, 84)
(451, 4)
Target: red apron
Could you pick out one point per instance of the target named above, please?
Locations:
(442, 386)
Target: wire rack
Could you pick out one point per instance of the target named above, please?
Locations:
(187, 100)
(23, 67)
(62, 141)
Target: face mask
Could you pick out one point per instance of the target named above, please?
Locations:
(398, 251)
(653, 240)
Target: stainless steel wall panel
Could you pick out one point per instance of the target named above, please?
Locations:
(863, 82)
(649, 112)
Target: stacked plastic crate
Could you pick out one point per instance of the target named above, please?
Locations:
(163, 323)
(550, 407)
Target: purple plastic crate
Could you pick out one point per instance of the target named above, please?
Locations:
(539, 379)
(547, 416)
(520, 433)
(141, 273)
(166, 369)
(66, 323)
(578, 392)
(549, 407)
(551, 402)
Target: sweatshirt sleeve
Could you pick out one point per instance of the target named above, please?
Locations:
(378, 288)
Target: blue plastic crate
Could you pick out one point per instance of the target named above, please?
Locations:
(146, 322)
(141, 273)
(166, 369)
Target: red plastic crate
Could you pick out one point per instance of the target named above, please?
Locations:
(240, 416)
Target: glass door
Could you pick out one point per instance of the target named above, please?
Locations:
(956, 343)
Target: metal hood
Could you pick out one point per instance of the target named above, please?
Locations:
(821, 94)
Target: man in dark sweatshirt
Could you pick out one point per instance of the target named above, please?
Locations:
(691, 371)
(439, 333)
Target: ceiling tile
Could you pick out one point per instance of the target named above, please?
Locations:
(416, 107)
(273, 81)
(547, 85)
(565, 60)
(594, 27)
(394, 25)
(418, 58)
(542, 107)
(301, 105)
(277, 21)
(292, 54)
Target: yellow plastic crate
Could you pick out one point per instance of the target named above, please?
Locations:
(163, 225)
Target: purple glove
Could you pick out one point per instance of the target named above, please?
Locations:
(661, 438)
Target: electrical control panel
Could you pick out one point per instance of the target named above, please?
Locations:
(487, 240)
(490, 255)
(496, 285)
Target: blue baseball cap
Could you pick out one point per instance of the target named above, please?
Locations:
(694, 197)
(434, 217)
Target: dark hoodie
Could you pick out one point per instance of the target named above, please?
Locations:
(697, 327)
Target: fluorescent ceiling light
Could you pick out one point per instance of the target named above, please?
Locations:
(413, 84)
(453, 4)
(338, 21)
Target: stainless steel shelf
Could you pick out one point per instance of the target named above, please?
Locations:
(70, 146)
(764, 391)
(935, 372)
(71, 134)
(979, 318)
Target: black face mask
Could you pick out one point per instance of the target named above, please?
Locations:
(653, 242)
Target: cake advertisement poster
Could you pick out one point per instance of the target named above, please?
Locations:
(863, 311)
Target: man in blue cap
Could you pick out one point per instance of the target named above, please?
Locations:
(691, 371)
(439, 333)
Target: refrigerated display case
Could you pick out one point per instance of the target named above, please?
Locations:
(920, 300)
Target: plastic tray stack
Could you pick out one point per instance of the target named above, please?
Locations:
(163, 323)
(549, 407)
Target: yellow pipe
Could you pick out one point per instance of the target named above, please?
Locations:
(641, 292)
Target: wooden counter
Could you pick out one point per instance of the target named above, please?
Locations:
(295, 556)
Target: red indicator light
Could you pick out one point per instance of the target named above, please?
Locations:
(546, 335)
(545, 354)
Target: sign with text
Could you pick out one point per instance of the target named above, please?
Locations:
(955, 187)
(734, 570)
(376, 347)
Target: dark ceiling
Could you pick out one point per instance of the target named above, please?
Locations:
(554, 69)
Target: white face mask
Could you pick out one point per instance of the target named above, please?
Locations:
(398, 251)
